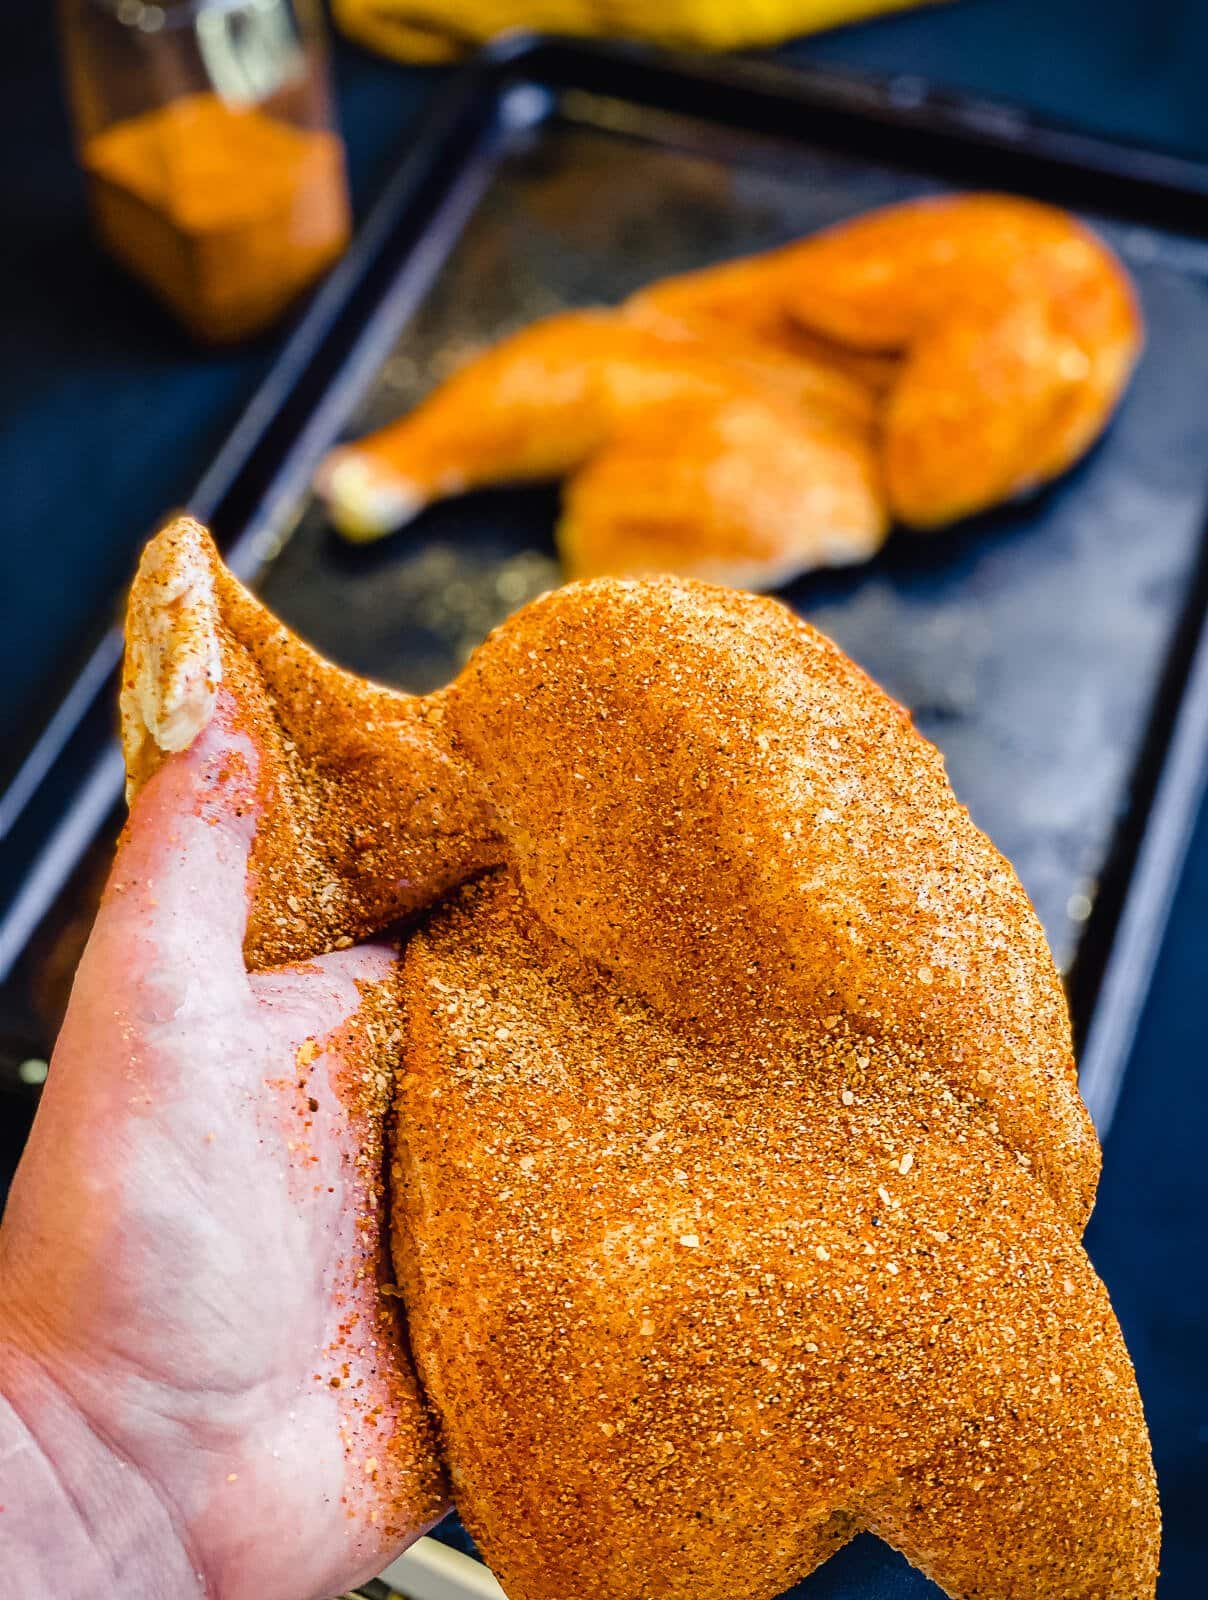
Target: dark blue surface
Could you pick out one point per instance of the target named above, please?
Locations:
(106, 417)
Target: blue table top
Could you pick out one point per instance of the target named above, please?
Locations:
(107, 417)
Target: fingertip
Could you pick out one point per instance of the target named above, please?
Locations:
(178, 892)
(215, 780)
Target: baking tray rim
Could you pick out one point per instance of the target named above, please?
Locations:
(259, 463)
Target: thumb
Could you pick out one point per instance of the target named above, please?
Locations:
(166, 948)
(174, 911)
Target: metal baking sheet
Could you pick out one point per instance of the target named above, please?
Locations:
(1053, 649)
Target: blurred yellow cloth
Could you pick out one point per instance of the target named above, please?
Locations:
(439, 30)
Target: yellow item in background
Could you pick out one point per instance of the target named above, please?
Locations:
(440, 30)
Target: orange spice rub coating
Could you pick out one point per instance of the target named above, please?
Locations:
(359, 822)
(576, 393)
(736, 491)
(743, 828)
(941, 356)
(693, 1313)
(746, 297)
(738, 1114)
(1019, 329)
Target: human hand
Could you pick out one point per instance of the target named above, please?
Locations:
(209, 1392)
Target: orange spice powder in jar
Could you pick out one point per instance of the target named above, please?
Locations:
(227, 212)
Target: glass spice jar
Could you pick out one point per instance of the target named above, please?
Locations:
(206, 134)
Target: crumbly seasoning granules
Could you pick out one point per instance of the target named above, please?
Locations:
(693, 1312)
(367, 815)
(756, 1047)
(394, 1477)
(739, 1168)
(707, 797)
(195, 645)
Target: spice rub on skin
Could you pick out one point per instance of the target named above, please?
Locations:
(325, 763)
(739, 1113)
(215, 1302)
(1002, 333)
(694, 1313)
(744, 829)
(774, 413)
(718, 458)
